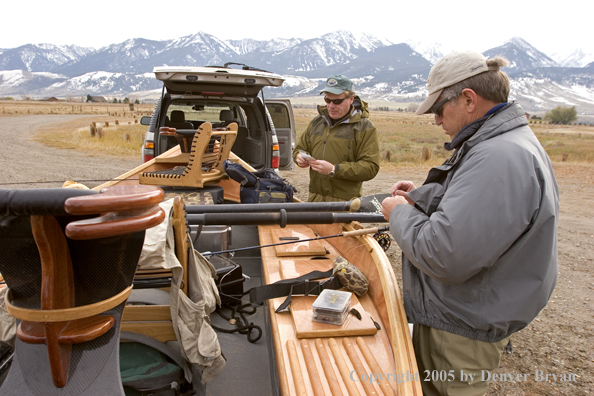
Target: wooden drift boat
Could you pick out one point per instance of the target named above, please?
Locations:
(370, 355)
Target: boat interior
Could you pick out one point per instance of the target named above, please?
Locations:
(81, 285)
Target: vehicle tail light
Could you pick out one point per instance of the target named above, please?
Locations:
(148, 151)
(275, 156)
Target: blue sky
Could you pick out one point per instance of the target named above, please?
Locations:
(456, 25)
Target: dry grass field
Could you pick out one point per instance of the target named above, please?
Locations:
(406, 139)
(404, 135)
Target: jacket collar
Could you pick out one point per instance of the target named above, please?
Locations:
(469, 130)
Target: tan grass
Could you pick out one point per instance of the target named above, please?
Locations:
(403, 134)
(113, 141)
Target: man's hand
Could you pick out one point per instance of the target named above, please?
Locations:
(390, 203)
(302, 162)
(321, 166)
(405, 186)
(400, 192)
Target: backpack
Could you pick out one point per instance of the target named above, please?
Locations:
(263, 186)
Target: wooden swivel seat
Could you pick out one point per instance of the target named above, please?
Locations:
(69, 273)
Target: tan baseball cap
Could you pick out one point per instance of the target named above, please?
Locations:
(449, 70)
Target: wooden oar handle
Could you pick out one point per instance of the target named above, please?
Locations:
(124, 209)
(116, 198)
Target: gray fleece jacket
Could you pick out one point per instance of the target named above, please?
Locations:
(480, 244)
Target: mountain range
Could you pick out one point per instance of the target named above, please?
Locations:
(380, 69)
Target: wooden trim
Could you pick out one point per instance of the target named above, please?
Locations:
(343, 368)
(148, 313)
(375, 368)
(67, 314)
(296, 369)
(328, 369)
(162, 331)
(314, 377)
(180, 235)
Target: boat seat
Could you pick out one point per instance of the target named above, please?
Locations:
(69, 273)
(203, 164)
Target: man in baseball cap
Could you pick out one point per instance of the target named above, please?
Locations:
(340, 145)
(479, 237)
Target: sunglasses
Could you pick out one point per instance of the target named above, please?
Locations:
(335, 101)
(437, 108)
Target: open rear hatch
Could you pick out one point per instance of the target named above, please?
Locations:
(216, 80)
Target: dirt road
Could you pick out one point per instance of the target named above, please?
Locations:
(25, 160)
(556, 351)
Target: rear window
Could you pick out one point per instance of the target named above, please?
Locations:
(205, 113)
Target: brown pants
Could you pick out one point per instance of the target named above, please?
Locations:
(454, 365)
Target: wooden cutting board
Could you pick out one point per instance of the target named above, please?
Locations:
(310, 248)
(301, 310)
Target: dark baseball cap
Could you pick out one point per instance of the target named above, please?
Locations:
(337, 84)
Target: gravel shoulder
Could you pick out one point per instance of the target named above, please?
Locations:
(559, 343)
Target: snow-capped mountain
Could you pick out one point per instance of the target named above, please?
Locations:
(305, 56)
(379, 68)
(41, 57)
(575, 58)
(430, 51)
(521, 55)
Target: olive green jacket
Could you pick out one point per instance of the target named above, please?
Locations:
(351, 145)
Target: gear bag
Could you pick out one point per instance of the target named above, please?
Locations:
(259, 187)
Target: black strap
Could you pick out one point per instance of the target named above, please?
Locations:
(302, 285)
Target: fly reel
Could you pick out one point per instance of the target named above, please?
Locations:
(383, 239)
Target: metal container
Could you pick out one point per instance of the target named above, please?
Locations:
(211, 238)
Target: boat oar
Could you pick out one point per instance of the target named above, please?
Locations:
(363, 231)
(367, 204)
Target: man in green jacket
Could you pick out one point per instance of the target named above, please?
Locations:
(340, 146)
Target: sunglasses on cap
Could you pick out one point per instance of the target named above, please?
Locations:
(335, 101)
(437, 108)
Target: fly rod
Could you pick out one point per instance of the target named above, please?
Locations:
(363, 231)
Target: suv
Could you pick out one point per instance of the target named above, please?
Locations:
(221, 95)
